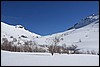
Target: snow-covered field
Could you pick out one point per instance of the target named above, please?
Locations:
(46, 59)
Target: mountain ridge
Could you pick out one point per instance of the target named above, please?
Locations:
(86, 37)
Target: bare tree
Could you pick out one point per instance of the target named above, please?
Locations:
(53, 44)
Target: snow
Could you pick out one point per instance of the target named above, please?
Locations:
(87, 32)
(72, 36)
(10, 30)
(46, 59)
(89, 36)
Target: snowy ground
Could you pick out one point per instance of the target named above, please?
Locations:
(46, 59)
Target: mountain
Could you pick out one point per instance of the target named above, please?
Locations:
(84, 34)
(88, 20)
(18, 32)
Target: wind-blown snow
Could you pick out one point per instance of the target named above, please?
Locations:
(46, 59)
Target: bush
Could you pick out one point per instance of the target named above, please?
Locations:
(14, 40)
(93, 52)
(72, 47)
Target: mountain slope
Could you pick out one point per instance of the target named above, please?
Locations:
(88, 20)
(85, 36)
(18, 32)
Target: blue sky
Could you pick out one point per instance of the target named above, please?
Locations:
(46, 17)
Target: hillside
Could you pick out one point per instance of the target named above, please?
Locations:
(84, 35)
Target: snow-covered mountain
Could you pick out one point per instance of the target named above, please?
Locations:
(84, 34)
(18, 32)
(88, 20)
